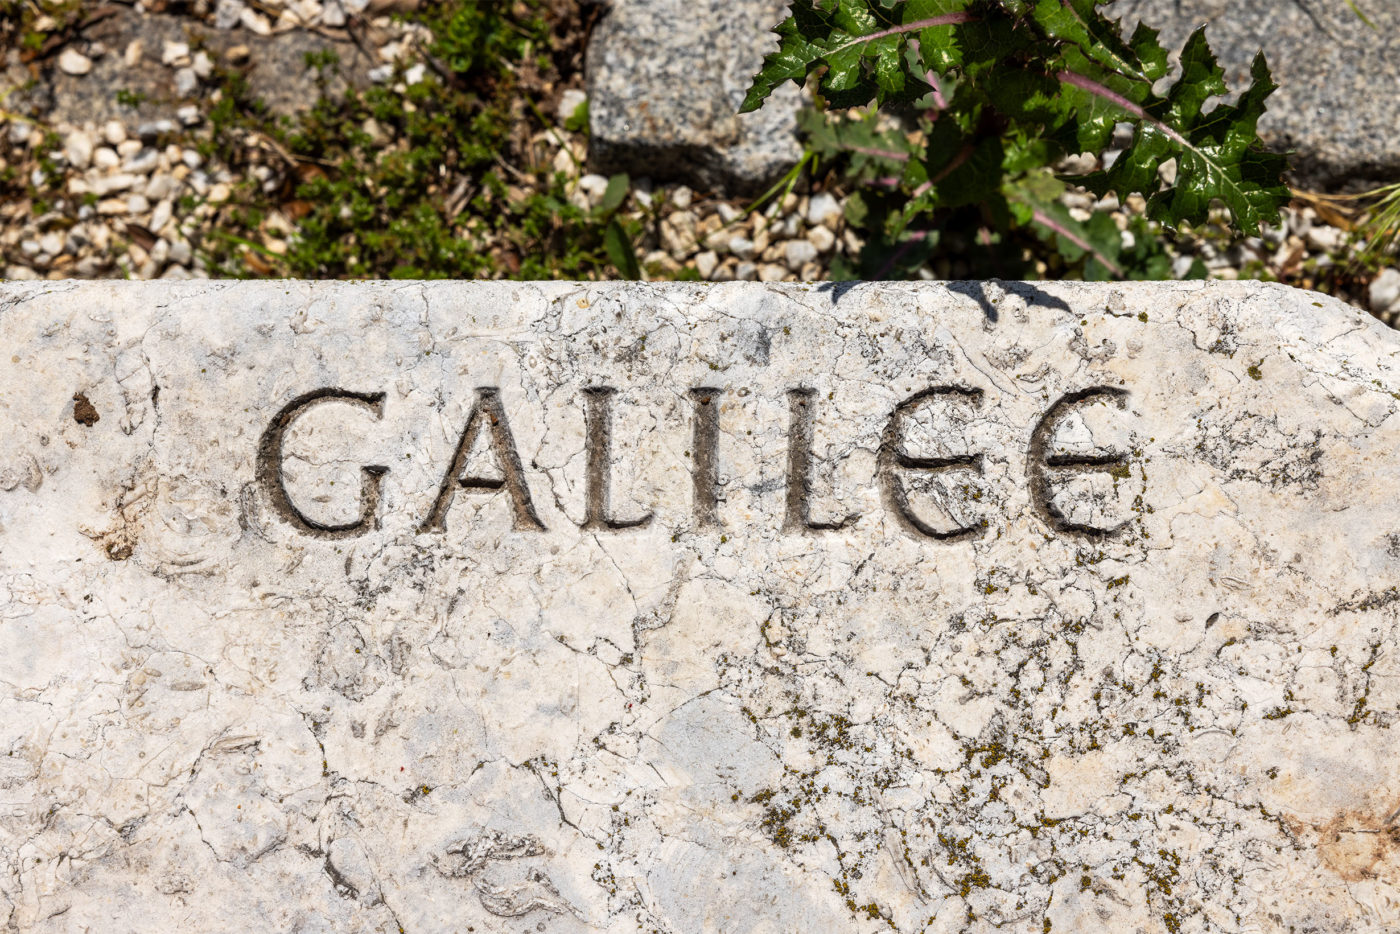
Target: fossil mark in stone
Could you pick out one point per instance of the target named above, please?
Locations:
(506, 898)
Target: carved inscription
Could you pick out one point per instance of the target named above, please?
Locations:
(798, 517)
(1040, 464)
(705, 456)
(897, 469)
(274, 482)
(893, 459)
(597, 503)
(487, 412)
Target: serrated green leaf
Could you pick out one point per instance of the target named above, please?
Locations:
(1100, 39)
(1217, 152)
(791, 62)
(864, 52)
(939, 49)
(889, 68)
(1149, 52)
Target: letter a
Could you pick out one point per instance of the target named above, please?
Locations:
(488, 407)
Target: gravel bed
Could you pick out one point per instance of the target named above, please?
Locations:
(138, 195)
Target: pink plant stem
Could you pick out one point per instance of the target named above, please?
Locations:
(938, 100)
(1050, 223)
(947, 19)
(1113, 97)
(882, 153)
(915, 236)
(939, 103)
(963, 155)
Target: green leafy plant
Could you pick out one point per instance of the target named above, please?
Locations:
(976, 101)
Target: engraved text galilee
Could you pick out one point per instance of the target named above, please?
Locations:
(897, 471)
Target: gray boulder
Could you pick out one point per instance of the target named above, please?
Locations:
(665, 80)
(1338, 103)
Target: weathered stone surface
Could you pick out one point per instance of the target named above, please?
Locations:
(1338, 102)
(1106, 641)
(665, 81)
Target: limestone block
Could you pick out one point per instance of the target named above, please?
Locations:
(441, 607)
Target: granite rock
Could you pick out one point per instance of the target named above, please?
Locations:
(974, 607)
(1338, 102)
(665, 81)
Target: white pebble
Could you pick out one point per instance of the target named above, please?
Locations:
(741, 246)
(175, 53)
(161, 215)
(105, 158)
(161, 186)
(77, 149)
(203, 65)
(227, 14)
(822, 238)
(1324, 238)
(825, 210)
(746, 272)
(706, 262)
(569, 103)
(108, 184)
(137, 204)
(73, 62)
(143, 162)
(798, 253)
(134, 50)
(186, 82)
(594, 186)
(1384, 292)
(255, 22)
(180, 251)
(771, 272)
(333, 14)
(114, 132)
